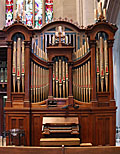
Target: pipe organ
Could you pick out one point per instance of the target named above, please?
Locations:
(18, 70)
(60, 77)
(39, 52)
(39, 82)
(82, 51)
(81, 82)
(61, 71)
(102, 65)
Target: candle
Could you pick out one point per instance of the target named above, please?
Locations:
(104, 13)
(60, 29)
(63, 34)
(24, 16)
(83, 50)
(56, 34)
(53, 39)
(14, 15)
(95, 15)
(87, 44)
(66, 39)
(19, 10)
(100, 8)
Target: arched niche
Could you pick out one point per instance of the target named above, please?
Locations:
(18, 28)
(101, 27)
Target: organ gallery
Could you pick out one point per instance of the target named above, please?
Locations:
(60, 82)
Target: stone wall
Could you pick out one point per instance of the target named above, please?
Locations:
(64, 8)
(81, 11)
(2, 14)
(88, 12)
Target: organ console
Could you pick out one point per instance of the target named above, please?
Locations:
(61, 70)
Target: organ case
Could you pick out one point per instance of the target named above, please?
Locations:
(68, 65)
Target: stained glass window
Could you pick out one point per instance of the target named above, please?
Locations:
(9, 12)
(38, 13)
(48, 10)
(29, 12)
(19, 7)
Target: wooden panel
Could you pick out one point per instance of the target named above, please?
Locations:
(86, 130)
(92, 150)
(60, 150)
(30, 150)
(107, 131)
(103, 130)
(19, 121)
(13, 123)
(36, 129)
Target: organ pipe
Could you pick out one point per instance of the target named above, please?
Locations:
(23, 71)
(106, 64)
(89, 80)
(63, 63)
(101, 64)
(53, 79)
(84, 72)
(97, 63)
(56, 78)
(39, 83)
(81, 82)
(18, 62)
(77, 83)
(86, 67)
(41, 79)
(60, 79)
(18, 70)
(66, 79)
(14, 65)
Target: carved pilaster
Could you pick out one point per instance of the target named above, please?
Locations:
(70, 97)
(50, 80)
(111, 87)
(93, 72)
(9, 73)
(27, 73)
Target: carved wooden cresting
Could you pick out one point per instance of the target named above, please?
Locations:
(61, 70)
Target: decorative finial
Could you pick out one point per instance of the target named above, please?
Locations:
(18, 19)
(100, 14)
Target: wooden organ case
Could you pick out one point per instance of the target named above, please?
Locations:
(61, 71)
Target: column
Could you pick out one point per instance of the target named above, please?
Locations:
(50, 80)
(93, 73)
(9, 73)
(27, 74)
(70, 97)
(111, 87)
